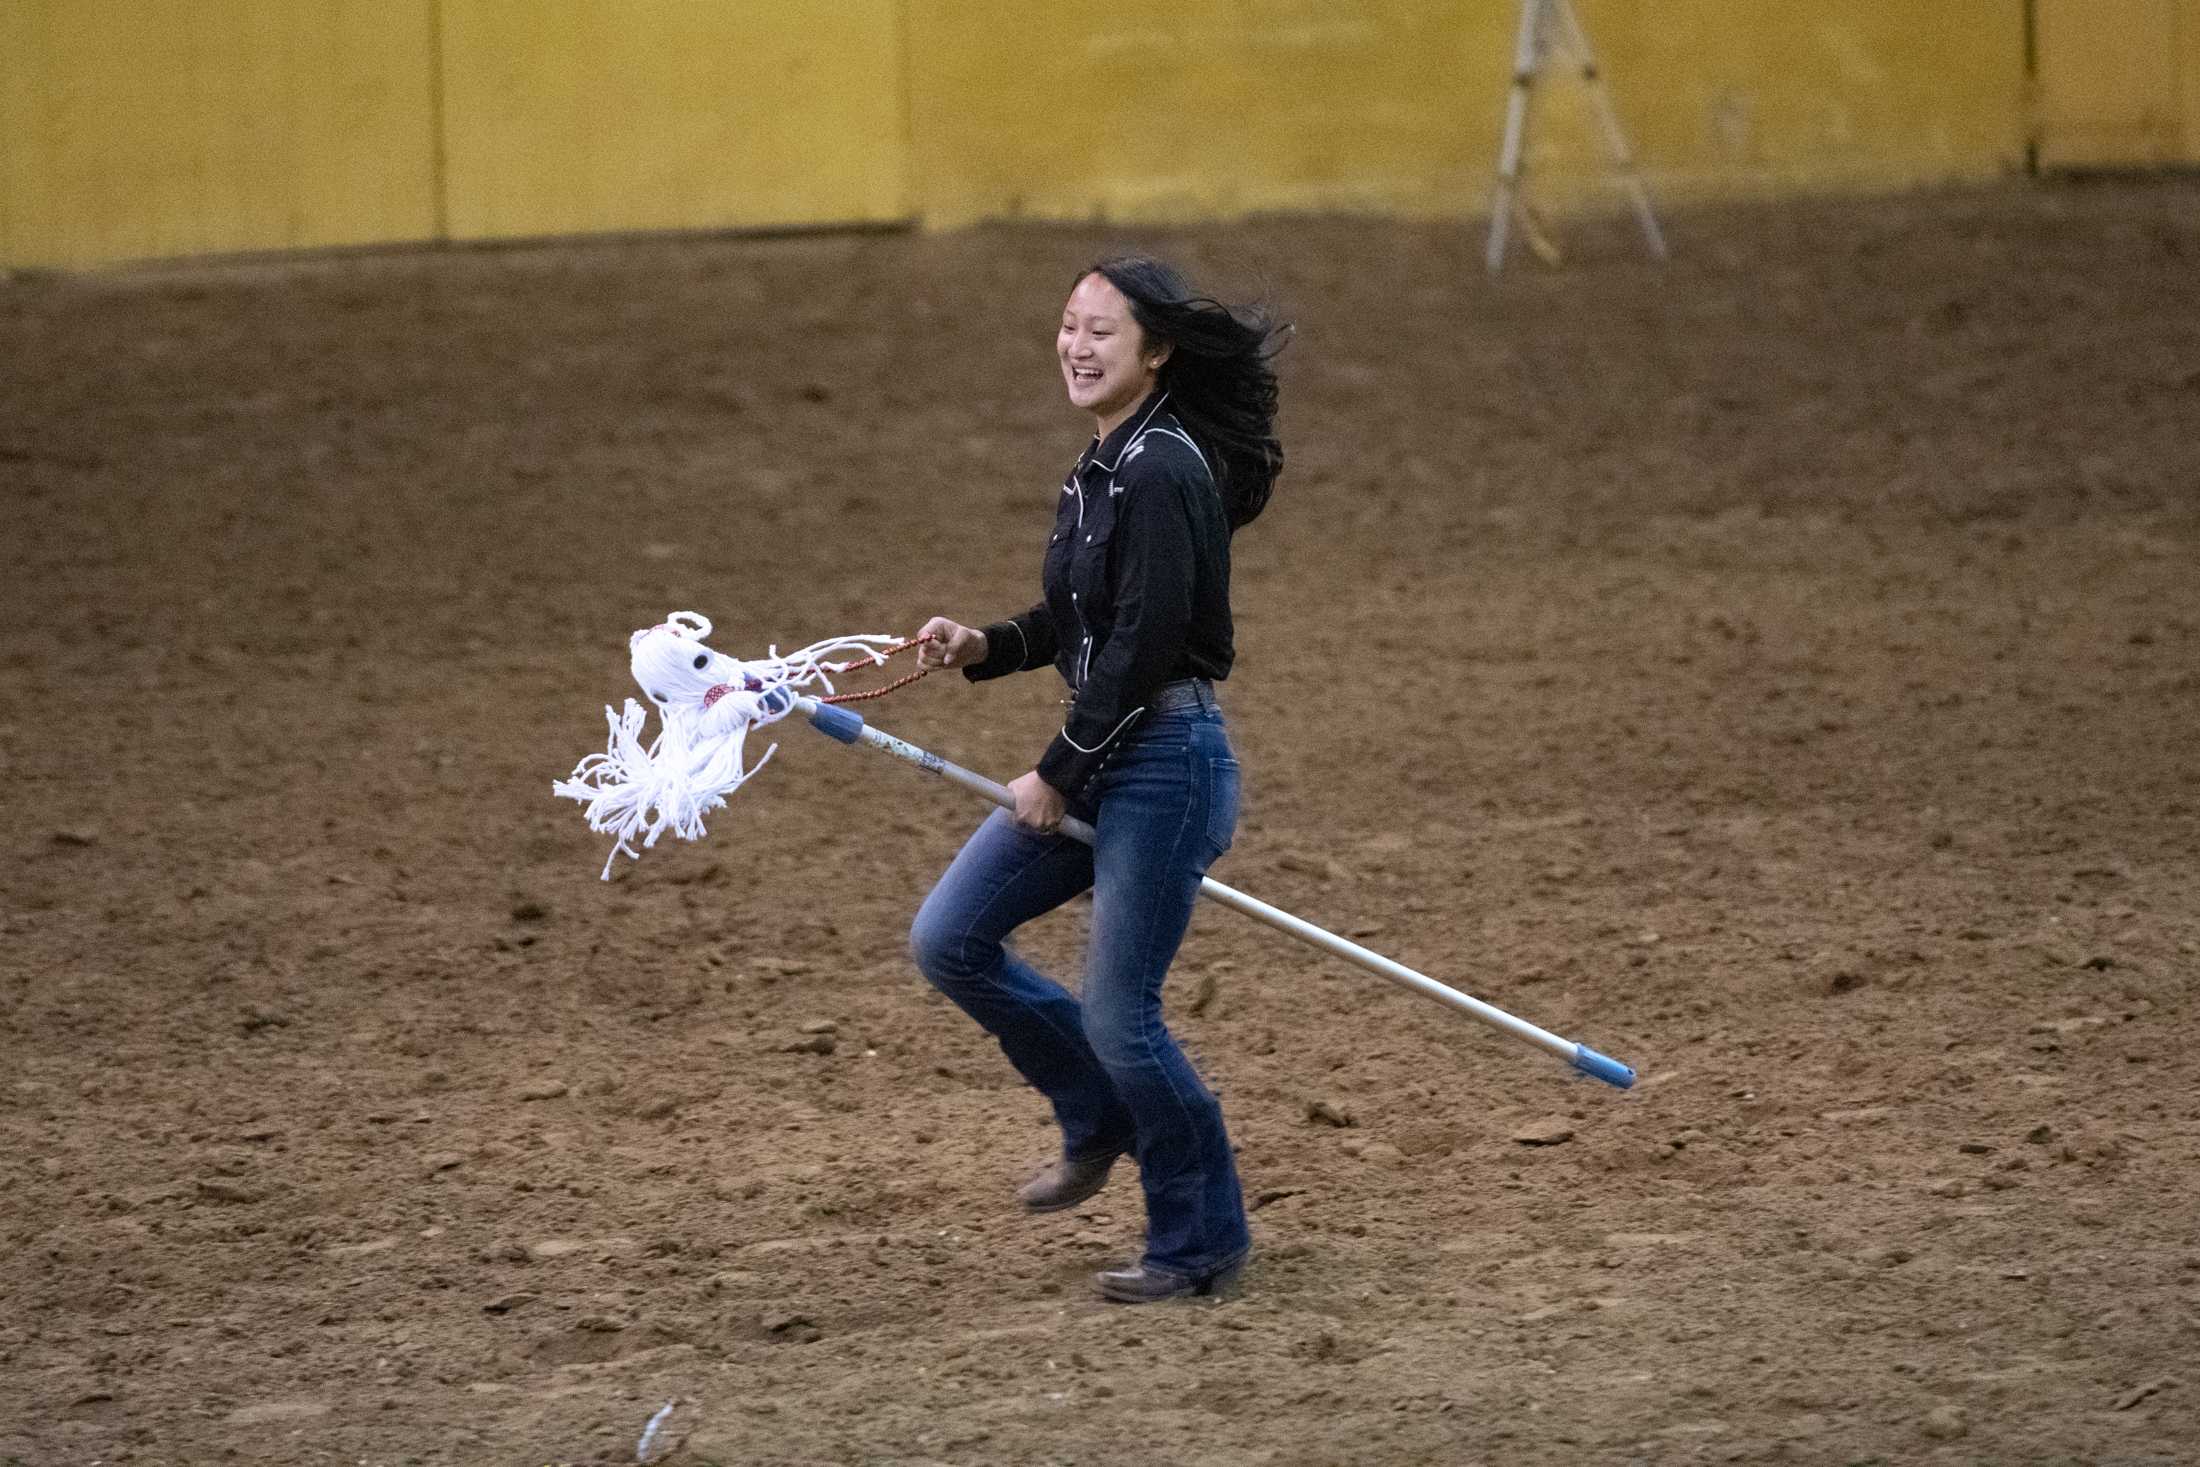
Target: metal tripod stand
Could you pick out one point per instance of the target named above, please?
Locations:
(1549, 27)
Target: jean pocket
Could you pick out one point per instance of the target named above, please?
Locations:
(1222, 803)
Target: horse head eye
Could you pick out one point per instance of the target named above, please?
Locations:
(702, 659)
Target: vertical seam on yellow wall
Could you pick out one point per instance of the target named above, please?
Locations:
(2031, 99)
(438, 150)
(912, 194)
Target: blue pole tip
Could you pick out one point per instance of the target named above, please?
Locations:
(1603, 1067)
(841, 723)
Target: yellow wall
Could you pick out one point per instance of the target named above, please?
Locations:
(1179, 108)
(567, 116)
(2188, 81)
(2119, 82)
(1782, 93)
(133, 128)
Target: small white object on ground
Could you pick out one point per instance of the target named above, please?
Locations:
(649, 1432)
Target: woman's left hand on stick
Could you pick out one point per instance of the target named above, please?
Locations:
(1039, 805)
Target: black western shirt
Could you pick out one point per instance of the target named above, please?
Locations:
(1137, 589)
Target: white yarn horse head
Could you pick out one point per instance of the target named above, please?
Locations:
(677, 671)
(706, 704)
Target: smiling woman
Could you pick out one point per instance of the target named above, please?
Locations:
(1107, 362)
(1135, 616)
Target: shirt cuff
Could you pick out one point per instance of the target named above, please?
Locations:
(1005, 650)
(1068, 768)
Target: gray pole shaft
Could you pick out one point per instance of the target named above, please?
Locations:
(1238, 901)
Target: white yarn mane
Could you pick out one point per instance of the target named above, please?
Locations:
(706, 704)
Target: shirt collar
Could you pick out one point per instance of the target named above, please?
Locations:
(1110, 453)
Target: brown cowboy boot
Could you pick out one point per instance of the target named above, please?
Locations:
(1065, 1184)
(1135, 1283)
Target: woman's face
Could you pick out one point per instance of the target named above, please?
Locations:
(1105, 363)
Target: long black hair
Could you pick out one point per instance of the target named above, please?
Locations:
(1220, 375)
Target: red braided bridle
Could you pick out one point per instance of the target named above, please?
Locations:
(839, 669)
(880, 692)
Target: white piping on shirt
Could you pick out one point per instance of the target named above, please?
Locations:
(1173, 433)
(1137, 432)
(1096, 748)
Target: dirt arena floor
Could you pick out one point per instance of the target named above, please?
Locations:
(1778, 669)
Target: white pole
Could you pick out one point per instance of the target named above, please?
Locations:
(1527, 52)
(1614, 135)
(848, 726)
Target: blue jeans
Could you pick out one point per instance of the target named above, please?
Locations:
(1164, 807)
